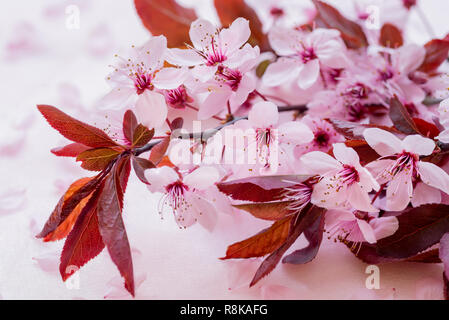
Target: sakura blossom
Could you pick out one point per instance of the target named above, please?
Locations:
(343, 180)
(303, 56)
(401, 168)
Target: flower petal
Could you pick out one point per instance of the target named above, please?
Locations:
(170, 78)
(235, 36)
(281, 71)
(383, 142)
(433, 176)
(202, 178)
(264, 115)
(309, 74)
(384, 227)
(319, 162)
(346, 155)
(183, 57)
(367, 231)
(295, 132)
(160, 177)
(417, 144)
(399, 191)
(424, 194)
(151, 109)
(359, 198)
(201, 33)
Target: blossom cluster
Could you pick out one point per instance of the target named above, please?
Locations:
(337, 123)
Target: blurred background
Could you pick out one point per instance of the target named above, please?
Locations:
(58, 52)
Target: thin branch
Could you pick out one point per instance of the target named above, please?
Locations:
(207, 134)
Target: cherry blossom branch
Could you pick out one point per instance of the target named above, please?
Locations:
(207, 134)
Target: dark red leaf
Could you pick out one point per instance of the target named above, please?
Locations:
(365, 152)
(314, 234)
(419, 229)
(272, 211)
(159, 150)
(84, 242)
(97, 159)
(351, 32)
(129, 125)
(140, 165)
(229, 10)
(401, 117)
(70, 150)
(75, 130)
(391, 36)
(168, 18)
(437, 51)
(142, 135)
(353, 130)
(176, 124)
(56, 227)
(112, 228)
(302, 222)
(426, 128)
(261, 244)
(259, 189)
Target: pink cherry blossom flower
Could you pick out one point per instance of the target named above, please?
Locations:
(302, 55)
(229, 85)
(324, 136)
(183, 194)
(269, 137)
(213, 48)
(443, 110)
(357, 226)
(139, 80)
(401, 168)
(344, 182)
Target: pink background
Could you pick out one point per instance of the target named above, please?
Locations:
(42, 61)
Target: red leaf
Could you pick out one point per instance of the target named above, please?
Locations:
(273, 211)
(401, 117)
(56, 228)
(313, 234)
(140, 165)
(262, 243)
(365, 152)
(419, 229)
(353, 130)
(159, 150)
(426, 128)
(112, 228)
(229, 10)
(259, 189)
(391, 36)
(129, 125)
(142, 135)
(84, 242)
(176, 124)
(168, 18)
(70, 150)
(351, 32)
(97, 159)
(302, 222)
(437, 51)
(75, 130)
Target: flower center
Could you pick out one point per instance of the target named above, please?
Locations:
(357, 91)
(386, 75)
(322, 138)
(405, 161)
(276, 12)
(356, 111)
(347, 176)
(299, 195)
(215, 54)
(176, 98)
(308, 54)
(175, 194)
(229, 77)
(409, 3)
(142, 80)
